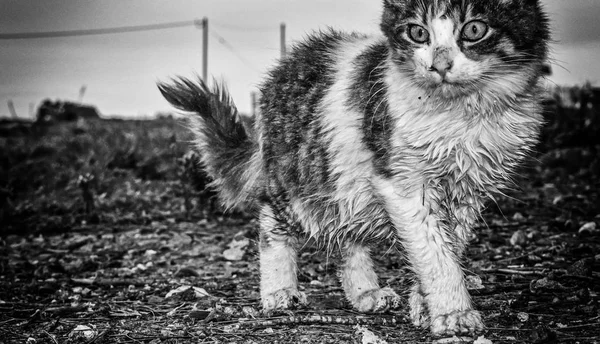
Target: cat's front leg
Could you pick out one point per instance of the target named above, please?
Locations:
(359, 281)
(439, 299)
(441, 288)
(417, 301)
(278, 269)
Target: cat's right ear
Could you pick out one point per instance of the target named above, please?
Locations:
(394, 4)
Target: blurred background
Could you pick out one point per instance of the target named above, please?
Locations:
(47, 50)
(104, 213)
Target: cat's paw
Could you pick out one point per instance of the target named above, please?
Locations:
(377, 300)
(418, 310)
(283, 299)
(457, 322)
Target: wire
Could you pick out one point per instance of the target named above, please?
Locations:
(228, 26)
(230, 47)
(125, 29)
(112, 30)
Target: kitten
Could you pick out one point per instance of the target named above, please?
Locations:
(400, 136)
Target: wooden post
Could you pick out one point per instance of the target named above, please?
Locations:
(253, 100)
(11, 108)
(205, 49)
(282, 39)
(81, 93)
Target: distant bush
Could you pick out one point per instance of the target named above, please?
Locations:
(60, 111)
(573, 117)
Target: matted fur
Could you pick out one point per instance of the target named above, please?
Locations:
(362, 139)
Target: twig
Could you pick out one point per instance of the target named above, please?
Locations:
(316, 319)
(582, 278)
(514, 272)
(65, 309)
(99, 337)
(50, 336)
(572, 327)
(538, 250)
(107, 282)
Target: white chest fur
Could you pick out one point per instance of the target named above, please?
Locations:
(473, 139)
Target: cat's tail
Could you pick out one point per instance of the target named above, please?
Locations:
(228, 151)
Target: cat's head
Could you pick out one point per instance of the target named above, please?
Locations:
(457, 47)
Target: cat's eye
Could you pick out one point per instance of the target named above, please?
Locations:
(418, 33)
(474, 30)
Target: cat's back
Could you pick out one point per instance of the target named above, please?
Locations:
(299, 80)
(295, 98)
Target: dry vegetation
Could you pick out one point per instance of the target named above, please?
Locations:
(105, 225)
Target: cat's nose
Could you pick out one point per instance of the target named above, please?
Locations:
(441, 68)
(442, 62)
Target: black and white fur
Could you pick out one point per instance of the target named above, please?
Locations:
(361, 139)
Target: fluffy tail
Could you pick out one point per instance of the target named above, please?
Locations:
(227, 150)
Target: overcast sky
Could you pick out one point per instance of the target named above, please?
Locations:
(121, 70)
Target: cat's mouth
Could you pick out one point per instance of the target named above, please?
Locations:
(447, 87)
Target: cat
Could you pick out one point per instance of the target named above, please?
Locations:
(398, 136)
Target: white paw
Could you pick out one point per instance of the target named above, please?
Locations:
(457, 322)
(283, 299)
(418, 311)
(377, 300)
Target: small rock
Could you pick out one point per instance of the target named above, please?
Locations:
(544, 284)
(84, 332)
(583, 295)
(523, 317)
(557, 199)
(570, 225)
(518, 238)
(187, 292)
(474, 282)
(588, 229)
(199, 314)
(582, 267)
(231, 328)
(316, 283)
(236, 250)
(519, 217)
(368, 337)
(482, 340)
(187, 272)
(533, 235)
(250, 312)
(155, 299)
(543, 335)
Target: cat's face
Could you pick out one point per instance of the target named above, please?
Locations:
(457, 47)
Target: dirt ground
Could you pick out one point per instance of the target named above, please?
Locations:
(107, 236)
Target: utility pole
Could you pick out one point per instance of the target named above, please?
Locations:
(205, 49)
(282, 39)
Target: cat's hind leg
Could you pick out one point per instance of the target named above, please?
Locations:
(359, 281)
(278, 268)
